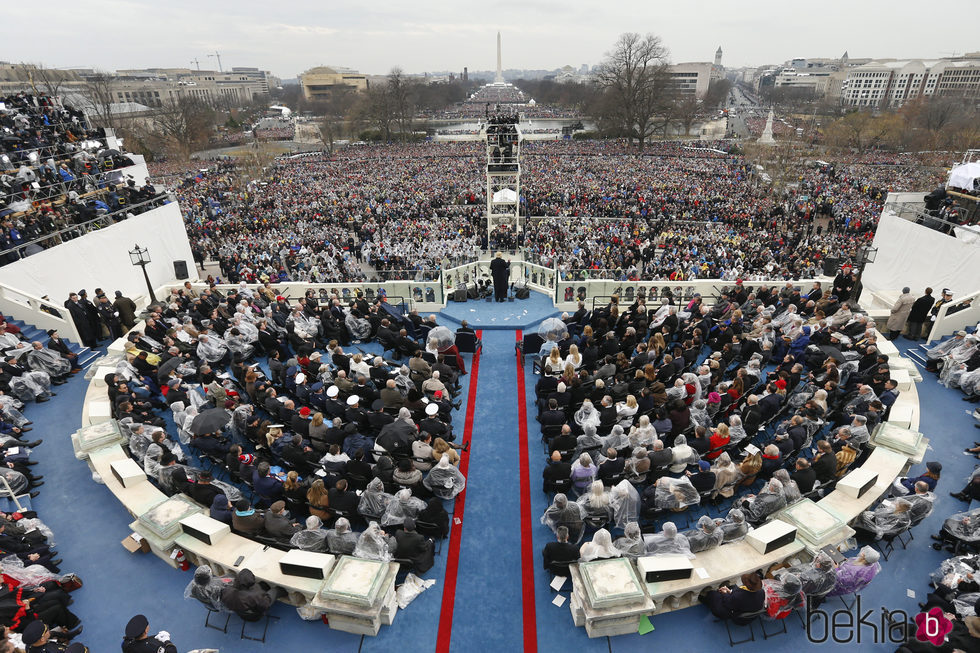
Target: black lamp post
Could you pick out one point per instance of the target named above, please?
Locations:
(865, 254)
(141, 256)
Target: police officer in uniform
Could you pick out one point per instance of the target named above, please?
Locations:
(38, 639)
(138, 640)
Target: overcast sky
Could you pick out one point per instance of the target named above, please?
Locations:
(290, 36)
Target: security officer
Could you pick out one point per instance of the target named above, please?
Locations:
(138, 640)
(37, 639)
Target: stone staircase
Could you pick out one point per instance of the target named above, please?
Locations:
(32, 333)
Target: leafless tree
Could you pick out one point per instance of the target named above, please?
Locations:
(399, 91)
(687, 109)
(98, 91)
(184, 124)
(42, 79)
(634, 76)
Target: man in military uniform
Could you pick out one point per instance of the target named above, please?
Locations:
(138, 640)
(38, 639)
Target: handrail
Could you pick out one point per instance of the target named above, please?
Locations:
(947, 324)
(100, 222)
(43, 313)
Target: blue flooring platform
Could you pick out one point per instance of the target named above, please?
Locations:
(493, 609)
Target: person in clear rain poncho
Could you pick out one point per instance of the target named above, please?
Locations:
(854, 574)
(961, 527)
(631, 543)
(642, 434)
(736, 432)
(890, 518)
(699, 414)
(675, 493)
(589, 442)
(211, 348)
(151, 460)
(668, 542)
(562, 512)
(791, 490)
(706, 535)
(625, 502)
(311, 538)
(10, 409)
(784, 593)
(206, 588)
(238, 343)
(340, 539)
(733, 527)
(374, 500)
(616, 439)
(599, 548)
(445, 480)
(48, 360)
(768, 501)
(817, 576)
(587, 414)
(596, 504)
(402, 506)
(30, 385)
(374, 544)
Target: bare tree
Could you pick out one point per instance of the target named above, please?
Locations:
(49, 80)
(399, 99)
(98, 91)
(634, 75)
(687, 109)
(184, 124)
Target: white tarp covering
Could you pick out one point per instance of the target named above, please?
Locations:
(505, 195)
(963, 176)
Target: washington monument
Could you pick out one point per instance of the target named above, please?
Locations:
(499, 79)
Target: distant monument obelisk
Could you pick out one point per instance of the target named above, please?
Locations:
(499, 79)
(766, 138)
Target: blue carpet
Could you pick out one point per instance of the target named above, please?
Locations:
(89, 524)
(518, 314)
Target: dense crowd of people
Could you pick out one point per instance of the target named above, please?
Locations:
(674, 212)
(56, 172)
(650, 413)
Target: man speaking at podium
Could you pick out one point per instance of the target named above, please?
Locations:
(500, 271)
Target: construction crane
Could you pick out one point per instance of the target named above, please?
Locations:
(218, 57)
(198, 63)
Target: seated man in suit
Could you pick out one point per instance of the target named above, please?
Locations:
(613, 465)
(277, 522)
(267, 488)
(556, 553)
(552, 416)
(556, 470)
(415, 547)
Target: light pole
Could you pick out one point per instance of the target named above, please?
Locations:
(865, 254)
(141, 256)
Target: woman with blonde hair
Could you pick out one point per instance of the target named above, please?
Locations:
(554, 364)
(318, 433)
(359, 366)
(726, 476)
(625, 411)
(440, 447)
(574, 358)
(657, 345)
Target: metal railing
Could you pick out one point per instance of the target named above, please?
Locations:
(74, 231)
(956, 315)
(37, 311)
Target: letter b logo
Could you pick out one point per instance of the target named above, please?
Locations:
(932, 626)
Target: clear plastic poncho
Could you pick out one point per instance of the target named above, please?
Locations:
(964, 526)
(707, 535)
(30, 575)
(445, 480)
(631, 543)
(373, 545)
(616, 439)
(204, 587)
(211, 348)
(600, 547)
(625, 502)
(596, 503)
(374, 500)
(441, 337)
(885, 520)
(733, 527)
(768, 501)
(47, 360)
(401, 506)
(675, 493)
(818, 576)
(311, 538)
(668, 542)
(587, 415)
(563, 512)
(340, 539)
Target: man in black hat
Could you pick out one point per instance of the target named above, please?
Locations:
(55, 343)
(37, 639)
(415, 547)
(79, 315)
(137, 639)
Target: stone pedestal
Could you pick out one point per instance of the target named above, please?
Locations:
(359, 595)
(94, 437)
(816, 526)
(608, 597)
(896, 436)
(160, 525)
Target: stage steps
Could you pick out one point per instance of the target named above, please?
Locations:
(32, 333)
